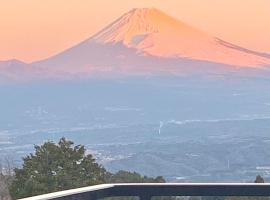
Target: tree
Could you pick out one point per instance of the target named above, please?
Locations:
(259, 179)
(55, 167)
(132, 177)
(6, 176)
(4, 192)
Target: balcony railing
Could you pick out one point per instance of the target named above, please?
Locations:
(146, 191)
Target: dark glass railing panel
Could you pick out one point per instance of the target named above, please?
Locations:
(209, 198)
(189, 198)
(163, 191)
(121, 198)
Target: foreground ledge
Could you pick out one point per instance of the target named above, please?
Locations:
(147, 190)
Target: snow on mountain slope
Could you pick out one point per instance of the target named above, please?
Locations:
(147, 40)
(153, 32)
(143, 41)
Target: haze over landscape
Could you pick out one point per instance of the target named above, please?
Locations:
(147, 93)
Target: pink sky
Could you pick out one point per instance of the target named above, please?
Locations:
(36, 29)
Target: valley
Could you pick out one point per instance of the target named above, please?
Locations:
(193, 131)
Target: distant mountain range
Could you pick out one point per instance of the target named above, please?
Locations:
(144, 41)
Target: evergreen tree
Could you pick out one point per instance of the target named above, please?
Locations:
(55, 167)
(259, 179)
(132, 177)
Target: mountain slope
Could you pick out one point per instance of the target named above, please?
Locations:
(152, 31)
(18, 71)
(15, 70)
(147, 40)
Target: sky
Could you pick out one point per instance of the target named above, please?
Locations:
(31, 30)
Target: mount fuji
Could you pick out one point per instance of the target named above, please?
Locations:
(146, 41)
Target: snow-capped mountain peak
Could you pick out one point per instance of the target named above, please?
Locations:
(148, 41)
(139, 23)
(153, 32)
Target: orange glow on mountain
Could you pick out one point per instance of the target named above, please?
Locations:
(153, 32)
(33, 30)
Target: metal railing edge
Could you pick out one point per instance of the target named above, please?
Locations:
(69, 192)
(95, 188)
